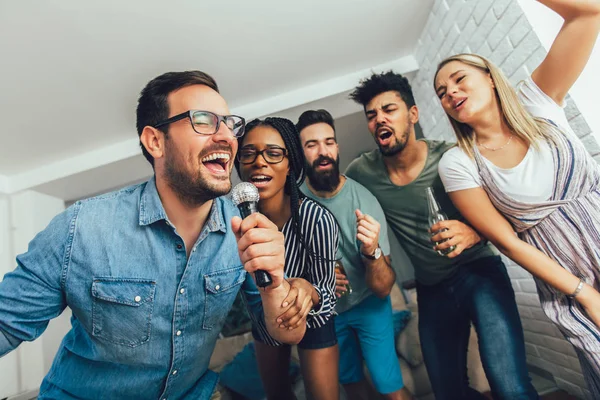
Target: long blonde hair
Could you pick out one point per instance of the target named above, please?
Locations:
(524, 126)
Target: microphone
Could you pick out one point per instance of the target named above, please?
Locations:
(245, 196)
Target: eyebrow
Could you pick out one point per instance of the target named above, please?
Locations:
(316, 141)
(382, 107)
(451, 76)
(267, 146)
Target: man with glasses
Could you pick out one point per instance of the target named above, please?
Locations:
(150, 271)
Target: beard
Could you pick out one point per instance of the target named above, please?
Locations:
(324, 181)
(193, 188)
(397, 145)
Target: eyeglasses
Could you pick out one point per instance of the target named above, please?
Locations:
(208, 123)
(272, 155)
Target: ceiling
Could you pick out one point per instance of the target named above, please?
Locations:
(71, 72)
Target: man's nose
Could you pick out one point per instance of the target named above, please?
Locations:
(224, 134)
(323, 151)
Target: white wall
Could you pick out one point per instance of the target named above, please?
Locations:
(500, 31)
(22, 216)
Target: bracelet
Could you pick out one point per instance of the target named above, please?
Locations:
(577, 289)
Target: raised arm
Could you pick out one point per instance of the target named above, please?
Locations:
(264, 308)
(379, 274)
(261, 246)
(476, 207)
(571, 48)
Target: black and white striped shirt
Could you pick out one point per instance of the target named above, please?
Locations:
(320, 232)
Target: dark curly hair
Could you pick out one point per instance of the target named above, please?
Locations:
(376, 84)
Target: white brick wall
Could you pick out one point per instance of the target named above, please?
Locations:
(500, 31)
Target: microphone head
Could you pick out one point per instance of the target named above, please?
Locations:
(244, 192)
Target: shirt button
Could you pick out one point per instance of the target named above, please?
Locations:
(175, 372)
(182, 291)
(138, 299)
(178, 333)
(217, 287)
(179, 247)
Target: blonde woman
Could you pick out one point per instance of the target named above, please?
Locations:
(519, 166)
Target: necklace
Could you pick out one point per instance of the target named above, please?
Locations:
(497, 148)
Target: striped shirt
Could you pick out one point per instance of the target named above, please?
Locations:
(317, 265)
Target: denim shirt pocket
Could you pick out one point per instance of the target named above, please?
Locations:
(221, 289)
(122, 310)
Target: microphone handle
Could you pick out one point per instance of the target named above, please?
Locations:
(263, 279)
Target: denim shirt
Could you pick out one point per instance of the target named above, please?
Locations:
(145, 318)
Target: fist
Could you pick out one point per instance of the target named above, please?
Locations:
(367, 232)
(261, 246)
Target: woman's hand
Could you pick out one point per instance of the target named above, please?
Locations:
(589, 298)
(341, 281)
(300, 302)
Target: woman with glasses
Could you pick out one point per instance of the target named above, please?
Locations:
(519, 166)
(270, 156)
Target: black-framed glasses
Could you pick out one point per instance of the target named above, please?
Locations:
(272, 154)
(208, 123)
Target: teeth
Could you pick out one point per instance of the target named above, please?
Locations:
(216, 156)
(260, 177)
(459, 103)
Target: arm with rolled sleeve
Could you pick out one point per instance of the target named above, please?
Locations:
(32, 294)
(324, 246)
(262, 303)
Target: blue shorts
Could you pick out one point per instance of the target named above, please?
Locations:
(366, 332)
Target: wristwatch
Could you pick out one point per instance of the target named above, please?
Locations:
(375, 256)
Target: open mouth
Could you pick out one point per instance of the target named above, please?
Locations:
(324, 164)
(459, 103)
(216, 162)
(384, 136)
(260, 180)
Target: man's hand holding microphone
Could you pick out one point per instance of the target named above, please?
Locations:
(262, 251)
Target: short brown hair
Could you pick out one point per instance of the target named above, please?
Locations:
(153, 105)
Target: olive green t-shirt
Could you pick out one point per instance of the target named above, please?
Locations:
(406, 211)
